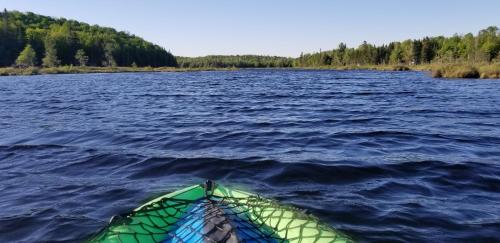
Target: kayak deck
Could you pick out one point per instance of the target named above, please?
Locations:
(213, 213)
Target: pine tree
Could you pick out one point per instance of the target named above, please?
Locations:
(427, 50)
(50, 59)
(416, 52)
(27, 57)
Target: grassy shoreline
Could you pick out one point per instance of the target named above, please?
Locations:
(489, 71)
(475, 71)
(483, 71)
(11, 71)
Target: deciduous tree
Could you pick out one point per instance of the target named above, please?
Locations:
(81, 58)
(27, 57)
(50, 59)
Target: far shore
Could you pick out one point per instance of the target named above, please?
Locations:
(474, 71)
(12, 71)
(483, 71)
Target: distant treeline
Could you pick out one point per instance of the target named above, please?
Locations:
(236, 61)
(28, 39)
(482, 48)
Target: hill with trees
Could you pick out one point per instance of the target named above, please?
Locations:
(28, 39)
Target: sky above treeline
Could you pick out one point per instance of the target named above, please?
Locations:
(272, 27)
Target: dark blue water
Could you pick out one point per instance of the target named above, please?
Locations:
(383, 156)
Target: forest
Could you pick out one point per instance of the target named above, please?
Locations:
(470, 49)
(28, 39)
(235, 61)
(482, 48)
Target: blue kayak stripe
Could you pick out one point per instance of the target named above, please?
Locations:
(189, 228)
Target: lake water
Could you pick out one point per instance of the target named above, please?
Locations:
(382, 156)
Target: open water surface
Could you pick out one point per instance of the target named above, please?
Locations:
(382, 156)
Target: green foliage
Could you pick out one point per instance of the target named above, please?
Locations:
(82, 59)
(245, 61)
(109, 60)
(416, 52)
(68, 42)
(483, 48)
(50, 59)
(27, 57)
(397, 54)
(429, 47)
(102, 46)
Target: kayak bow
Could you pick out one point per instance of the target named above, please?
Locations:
(213, 213)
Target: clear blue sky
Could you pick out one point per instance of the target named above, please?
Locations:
(272, 27)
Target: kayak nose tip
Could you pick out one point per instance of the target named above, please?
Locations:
(209, 186)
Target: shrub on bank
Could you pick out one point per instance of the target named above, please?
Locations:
(490, 71)
(455, 71)
(11, 71)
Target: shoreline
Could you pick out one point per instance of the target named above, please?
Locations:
(461, 71)
(29, 71)
(467, 71)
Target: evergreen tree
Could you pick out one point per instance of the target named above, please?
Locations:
(27, 57)
(427, 50)
(416, 52)
(50, 59)
(341, 52)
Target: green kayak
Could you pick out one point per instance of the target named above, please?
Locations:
(213, 213)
